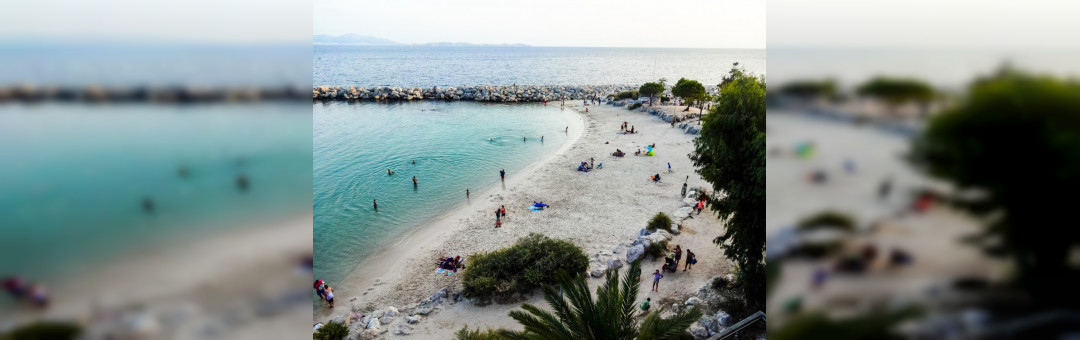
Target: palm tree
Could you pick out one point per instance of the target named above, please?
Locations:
(611, 316)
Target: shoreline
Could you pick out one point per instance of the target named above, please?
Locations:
(601, 211)
(382, 260)
(203, 277)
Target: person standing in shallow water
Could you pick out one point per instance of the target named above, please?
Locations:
(414, 181)
(502, 174)
(376, 204)
(466, 193)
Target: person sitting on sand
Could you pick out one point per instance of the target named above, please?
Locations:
(656, 178)
(638, 153)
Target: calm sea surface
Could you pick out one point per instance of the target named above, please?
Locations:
(456, 146)
(425, 66)
(74, 177)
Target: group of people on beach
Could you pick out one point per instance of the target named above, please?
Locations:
(625, 130)
(324, 292)
(500, 214)
(671, 262)
(21, 290)
(449, 265)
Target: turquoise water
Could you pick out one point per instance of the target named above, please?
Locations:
(74, 177)
(355, 143)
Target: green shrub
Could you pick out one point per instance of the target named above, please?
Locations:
(44, 330)
(633, 94)
(657, 249)
(828, 219)
(633, 106)
(528, 264)
(466, 334)
(665, 99)
(659, 221)
(332, 331)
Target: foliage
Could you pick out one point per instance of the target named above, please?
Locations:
(828, 219)
(633, 106)
(896, 91)
(665, 99)
(810, 88)
(730, 154)
(576, 315)
(332, 331)
(651, 90)
(659, 221)
(877, 324)
(657, 249)
(528, 264)
(466, 334)
(690, 90)
(1013, 140)
(44, 331)
(633, 94)
(772, 274)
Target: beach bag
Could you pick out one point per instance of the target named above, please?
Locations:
(693, 261)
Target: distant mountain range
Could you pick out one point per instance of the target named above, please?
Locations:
(367, 40)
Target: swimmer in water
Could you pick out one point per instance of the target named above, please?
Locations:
(389, 172)
(413, 162)
(414, 181)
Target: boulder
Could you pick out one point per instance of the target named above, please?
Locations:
(699, 332)
(723, 319)
(667, 236)
(657, 237)
(373, 323)
(709, 323)
(412, 320)
(598, 272)
(681, 213)
(693, 301)
(690, 202)
(675, 228)
(634, 253)
(614, 264)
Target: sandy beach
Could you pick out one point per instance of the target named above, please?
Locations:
(238, 284)
(597, 211)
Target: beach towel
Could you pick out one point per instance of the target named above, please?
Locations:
(535, 208)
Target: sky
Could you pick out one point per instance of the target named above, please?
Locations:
(924, 23)
(200, 21)
(619, 23)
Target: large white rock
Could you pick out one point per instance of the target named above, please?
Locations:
(413, 319)
(373, 323)
(634, 253)
(391, 311)
(699, 332)
(723, 318)
(614, 263)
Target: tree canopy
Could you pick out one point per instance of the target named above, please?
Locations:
(896, 91)
(651, 90)
(1013, 150)
(810, 88)
(690, 90)
(730, 154)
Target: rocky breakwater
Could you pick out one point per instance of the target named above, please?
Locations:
(483, 93)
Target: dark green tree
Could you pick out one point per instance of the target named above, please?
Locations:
(651, 90)
(689, 90)
(808, 89)
(896, 91)
(730, 154)
(1012, 148)
(610, 316)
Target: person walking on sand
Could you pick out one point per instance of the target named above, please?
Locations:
(700, 206)
(503, 210)
(541, 139)
(656, 276)
(376, 204)
(498, 223)
(591, 160)
(669, 167)
(502, 174)
(567, 128)
(691, 259)
(498, 213)
(330, 296)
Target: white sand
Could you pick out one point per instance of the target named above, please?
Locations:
(208, 283)
(596, 210)
(932, 238)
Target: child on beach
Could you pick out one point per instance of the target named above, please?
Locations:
(503, 210)
(645, 306)
(330, 296)
(498, 223)
(502, 174)
(656, 280)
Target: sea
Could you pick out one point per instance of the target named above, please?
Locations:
(75, 175)
(427, 66)
(456, 145)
